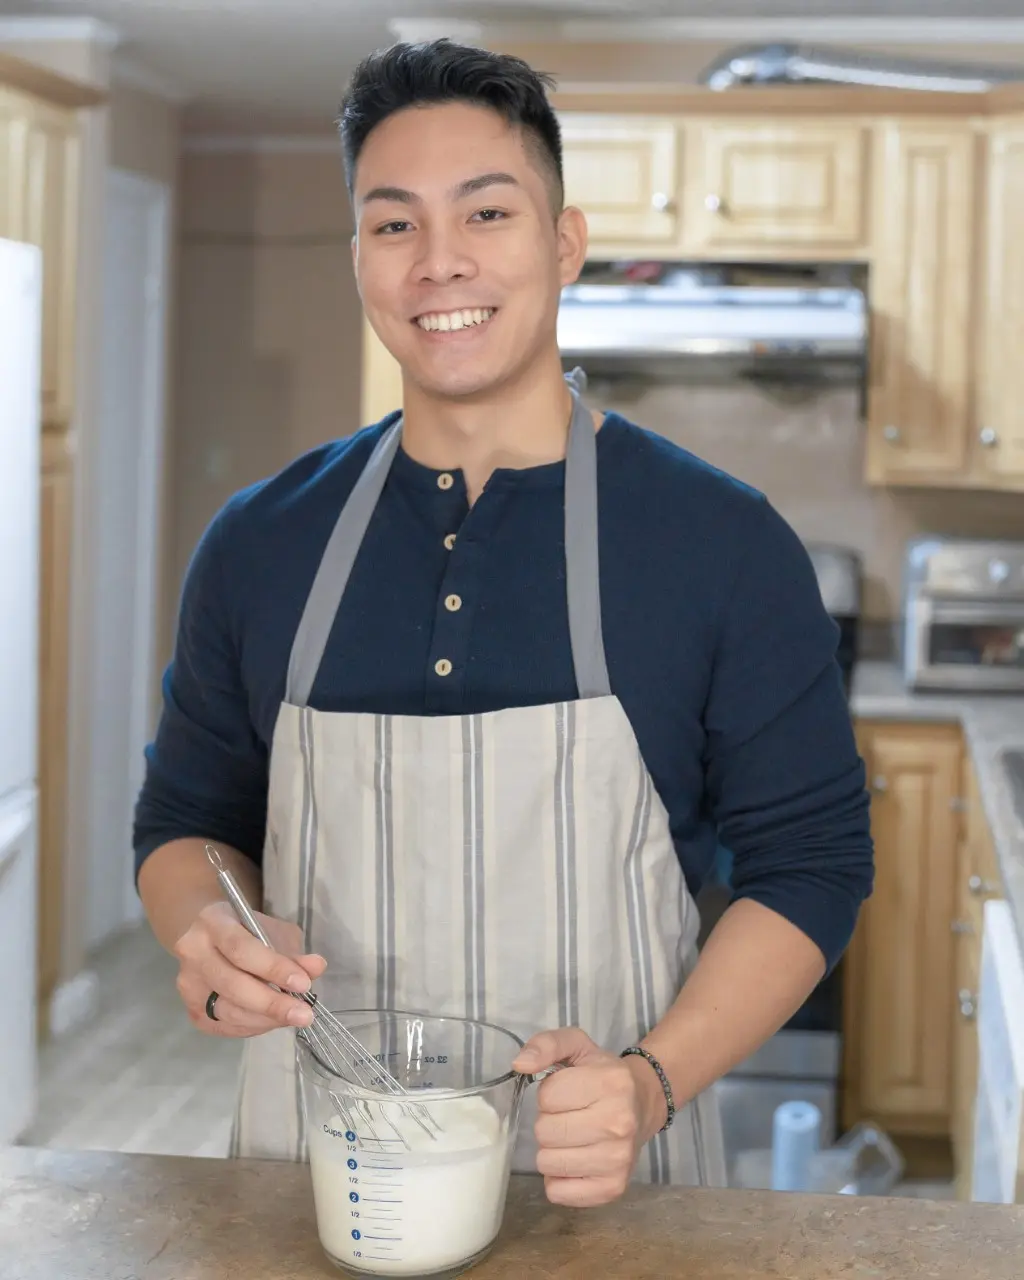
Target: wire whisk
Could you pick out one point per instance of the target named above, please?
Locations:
(335, 1048)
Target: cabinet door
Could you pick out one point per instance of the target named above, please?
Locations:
(901, 959)
(14, 112)
(55, 583)
(49, 218)
(623, 172)
(999, 452)
(757, 186)
(919, 411)
(382, 379)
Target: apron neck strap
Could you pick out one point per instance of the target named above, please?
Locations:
(583, 583)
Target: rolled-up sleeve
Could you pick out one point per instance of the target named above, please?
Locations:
(206, 769)
(785, 782)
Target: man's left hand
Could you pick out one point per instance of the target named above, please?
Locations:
(593, 1118)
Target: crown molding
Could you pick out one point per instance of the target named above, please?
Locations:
(41, 29)
(263, 144)
(135, 75)
(856, 31)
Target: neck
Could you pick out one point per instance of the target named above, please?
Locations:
(521, 423)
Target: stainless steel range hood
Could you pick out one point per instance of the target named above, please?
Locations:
(817, 64)
(714, 330)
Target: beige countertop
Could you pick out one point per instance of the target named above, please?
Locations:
(98, 1216)
(991, 723)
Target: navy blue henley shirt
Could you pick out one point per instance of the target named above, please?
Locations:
(718, 647)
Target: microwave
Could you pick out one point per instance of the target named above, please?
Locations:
(963, 616)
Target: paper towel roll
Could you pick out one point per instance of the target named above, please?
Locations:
(796, 1136)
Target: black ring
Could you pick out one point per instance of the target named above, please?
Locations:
(211, 1000)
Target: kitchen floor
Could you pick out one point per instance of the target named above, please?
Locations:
(140, 1078)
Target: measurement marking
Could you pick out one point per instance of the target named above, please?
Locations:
(378, 1257)
(378, 1200)
(393, 1239)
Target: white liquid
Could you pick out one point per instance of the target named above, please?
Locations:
(389, 1210)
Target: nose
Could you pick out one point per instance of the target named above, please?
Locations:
(443, 256)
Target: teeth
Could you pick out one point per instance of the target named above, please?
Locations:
(444, 322)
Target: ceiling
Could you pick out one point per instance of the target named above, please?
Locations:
(288, 59)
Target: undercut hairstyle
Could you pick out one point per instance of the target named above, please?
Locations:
(435, 72)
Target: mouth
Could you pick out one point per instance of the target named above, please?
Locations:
(454, 321)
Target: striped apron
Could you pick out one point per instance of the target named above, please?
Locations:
(515, 866)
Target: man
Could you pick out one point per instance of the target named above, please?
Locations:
(467, 699)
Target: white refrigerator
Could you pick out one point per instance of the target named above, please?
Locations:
(20, 362)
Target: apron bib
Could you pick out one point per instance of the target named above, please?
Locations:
(514, 866)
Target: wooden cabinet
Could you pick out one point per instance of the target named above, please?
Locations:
(920, 368)
(54, 589)
(978, 879)
(624, 172)
(39, 203)
(997, 455)
(900, 979)
(39, 163)
(755, 187)
(382, 379)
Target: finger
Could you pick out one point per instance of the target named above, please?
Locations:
(583, 1193)
(231, 1021)
(214, 973)
(314, 965)
(586, 1127)
(237, 945)
(602, 1160)
(584, 1086)
(567, 1045)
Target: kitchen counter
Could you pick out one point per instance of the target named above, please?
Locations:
(98, 1216)
(991, 723)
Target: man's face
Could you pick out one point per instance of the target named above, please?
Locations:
(459, 255)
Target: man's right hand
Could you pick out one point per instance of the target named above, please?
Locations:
(216, 953)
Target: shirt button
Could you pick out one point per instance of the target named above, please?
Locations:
(444, 480)
(443, 667)
(453, 603)
(449, 541)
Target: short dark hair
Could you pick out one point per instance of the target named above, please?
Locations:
(440, 71)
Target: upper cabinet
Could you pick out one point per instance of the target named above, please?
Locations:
(39, 163)
(919, 402)
(625, 173)
(755, 185)
(997, 446)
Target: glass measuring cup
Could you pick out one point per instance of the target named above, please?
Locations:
(413, 1186)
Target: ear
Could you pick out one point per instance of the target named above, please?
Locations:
(571, 231)
(355, 248)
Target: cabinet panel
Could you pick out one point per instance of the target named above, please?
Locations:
(50, 220)
(623, 172)
(920, 395)
(902, 957)
(14, 115)
(999, 452)
(761, 185)
(55, 585)
(382, 379)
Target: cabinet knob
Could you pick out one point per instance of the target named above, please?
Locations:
(714, 204)
(977, 885)
(968, 1004)
(891, 433)
(988, 437)
(880, 784)
(662, 202)
(961, 926)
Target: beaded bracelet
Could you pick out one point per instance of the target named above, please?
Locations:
(666, 1088)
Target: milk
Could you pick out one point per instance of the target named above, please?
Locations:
(392, 1210)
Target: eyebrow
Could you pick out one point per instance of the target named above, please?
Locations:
(399, 195)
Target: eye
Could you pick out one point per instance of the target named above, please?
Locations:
(490, 215)
(392, 228)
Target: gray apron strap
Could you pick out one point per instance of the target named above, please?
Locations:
(583, 583)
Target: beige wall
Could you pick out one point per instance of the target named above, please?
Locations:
(269, 341)
(144, 134)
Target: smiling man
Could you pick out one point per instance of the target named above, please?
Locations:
(468, 698)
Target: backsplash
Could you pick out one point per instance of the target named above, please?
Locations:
(804, 449)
